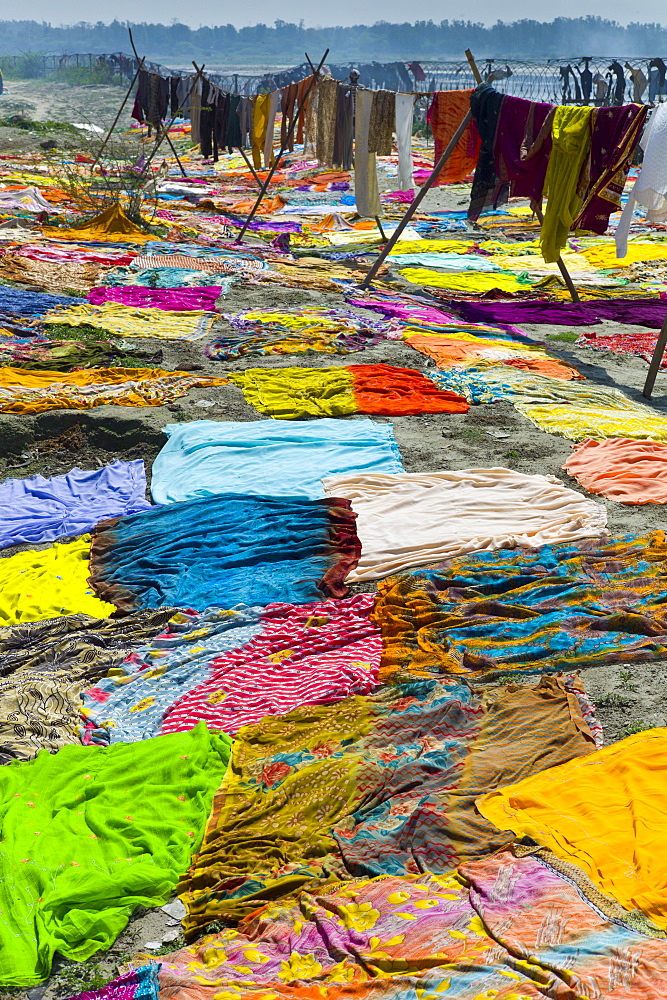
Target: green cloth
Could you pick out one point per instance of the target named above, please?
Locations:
(571, 142)
(91, 833)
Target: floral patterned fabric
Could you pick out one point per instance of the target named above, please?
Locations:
(502, 928)
(379, 784)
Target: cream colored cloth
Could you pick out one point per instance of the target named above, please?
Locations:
(414, 518)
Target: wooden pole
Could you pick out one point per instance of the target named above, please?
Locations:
(656, 360)
(120, 111)
(283, 147)
(166, 134)
(567, 278)
(412, 208)
(250, 166)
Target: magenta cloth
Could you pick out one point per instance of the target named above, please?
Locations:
(312, 654)
(639, 312)
(136, 985)
(522, 147)
(173, 299)
(406, 311)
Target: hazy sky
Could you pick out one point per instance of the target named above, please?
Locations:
(341, 12)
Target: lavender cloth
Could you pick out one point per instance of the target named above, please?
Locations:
(639, 312)
(176, 299)
(43, 510)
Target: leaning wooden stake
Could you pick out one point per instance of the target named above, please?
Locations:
(656, 360)
(538, 211)
(140, 66)
(283, 147)
(412, 208)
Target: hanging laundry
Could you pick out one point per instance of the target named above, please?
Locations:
(404, 115)
(365, 168)
(381, 125)
(563, 184)
(650, 188)
(486, 104)
(446, 112)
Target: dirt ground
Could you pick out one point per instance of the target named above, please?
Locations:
(626, 696)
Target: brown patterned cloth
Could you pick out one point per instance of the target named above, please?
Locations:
(383, 117)
(327, 102)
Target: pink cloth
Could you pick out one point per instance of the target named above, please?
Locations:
(175, 299)
(632, 472)
(305, 655)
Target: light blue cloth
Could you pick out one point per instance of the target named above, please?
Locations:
(445, 261)
(130, 704)
(42, 510)
(268, 457)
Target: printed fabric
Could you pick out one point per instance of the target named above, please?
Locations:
(139, 984)
(72, 877)
(43, 510)
(226, 550)
(503, 927)
(559, 607)
(23, 391)
(400, 772)
(133, 321)
(267, 457)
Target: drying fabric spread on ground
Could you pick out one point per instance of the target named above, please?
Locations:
(555, 608)
(139, 984)
(226, 550)
(293, 393)
(503, 927)
(633, 472)
(384, 784)
(35, 586)
(42, 510)
(82, 850)
(271, 457)
(23, 391)
(330, 331)
(415, 518)
(132, 321)
(605, 815)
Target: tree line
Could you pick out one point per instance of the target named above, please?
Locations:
(285, 43)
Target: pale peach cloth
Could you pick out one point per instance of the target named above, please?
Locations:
(627, 471)
(415, 518)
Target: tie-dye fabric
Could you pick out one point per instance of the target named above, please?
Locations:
(131, 703)
(225, 550)
(139, 984)
(372, 785)
(554, 608)
(503, 927)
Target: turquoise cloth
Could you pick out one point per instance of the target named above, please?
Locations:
(268, 457)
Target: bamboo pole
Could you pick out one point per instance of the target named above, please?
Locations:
(283, 147)
(656, 360)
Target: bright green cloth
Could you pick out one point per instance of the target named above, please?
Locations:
(571, 141)
(91, 833)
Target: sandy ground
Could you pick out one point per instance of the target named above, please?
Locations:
(53, 442)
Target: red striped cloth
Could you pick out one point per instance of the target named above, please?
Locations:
(306, 654)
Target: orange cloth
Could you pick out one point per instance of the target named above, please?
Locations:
(447, 111)
(383, 389)
(448, 352)
(633, 472)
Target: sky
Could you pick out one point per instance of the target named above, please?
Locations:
(343, 12)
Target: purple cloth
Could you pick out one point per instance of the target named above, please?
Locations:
(42, 510)
(639, 312)
(177, 299)
(522, 147)
(132, 986)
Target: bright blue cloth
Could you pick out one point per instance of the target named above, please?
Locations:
(268, 457)
(131, 703)
(18, 302)
(42, 510)
(226, 550)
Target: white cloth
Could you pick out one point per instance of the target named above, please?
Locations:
(366, 190)
(650, 188)
(268, 142)
(405, 106)
(415, 518)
